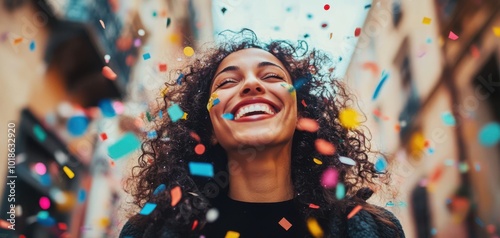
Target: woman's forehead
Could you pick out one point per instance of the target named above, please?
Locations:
(248, 56)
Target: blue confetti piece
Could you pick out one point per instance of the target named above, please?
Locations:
(428, 40)
(430, 151)
(148, 208)
(44, 219)
(77, 125)
(489, 134)
(402, 204)
(32, 45)
(228, 116)
(106, 107)
(179, 79)
(381, 165)
(159, 189)
(340, 191)
(389, 204)
(146, 56)
(152, 134)
(125, 145)
(175, 112)
(201, 169)
(45, 180)
(160, 114)
(434, 231)
(215, 102)
(81, 195)
(448, 118)
(39, 133)
(385, 76)
(368, 6)
(479, 222)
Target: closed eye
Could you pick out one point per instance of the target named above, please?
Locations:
(272, 75)
(224, 82)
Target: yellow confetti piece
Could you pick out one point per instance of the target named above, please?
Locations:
(68, 172)
(175, 39)
(314, 228)
(317, 161)
(104, 222)
(426, 21)
(188, 51)
(164, 91)
(185, 116)
(232, 234)
(211, 100)
(496, 31)
(349, 118)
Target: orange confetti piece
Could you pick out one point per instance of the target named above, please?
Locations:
(324, 147)
(285, 224)
(194, 136)
(176, 195)
(307, 124)
(354, 211)
(68, 172)
(313, 206)
(108, 73)
(373, 67)
(18, 40)
(195, 224)
(304, 103)
(199, 149)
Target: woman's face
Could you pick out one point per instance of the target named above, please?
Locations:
(253, 86)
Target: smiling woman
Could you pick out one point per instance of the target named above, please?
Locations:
(266, 177)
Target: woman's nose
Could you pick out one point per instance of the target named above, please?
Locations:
(252, 86)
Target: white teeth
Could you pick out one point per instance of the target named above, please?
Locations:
(259, 107)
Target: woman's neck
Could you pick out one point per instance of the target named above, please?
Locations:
(261, 174)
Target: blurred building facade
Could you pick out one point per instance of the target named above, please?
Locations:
(440, 93)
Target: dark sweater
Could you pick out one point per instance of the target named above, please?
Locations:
(361, 225)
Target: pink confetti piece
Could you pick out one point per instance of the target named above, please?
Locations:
(329, 178)
(452, 36)
(44, 203)
(324, 147)
(307, 124)
(313, 206)
(285, 224)
(108, 73)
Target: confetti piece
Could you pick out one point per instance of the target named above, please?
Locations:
(141, 32)
(354, 211)
(188, 51)
(138, 43)
(331, 34)
(39, 133)
(368, 6)
(314, 228)
(384, 77)
(452, 36)
(68, 172)
(162, 67)
(285, 224)
(211, 100)
(148, 208)
(107, 109)
(313, 206)
(212, 214)
(44, 203)
(146, 56)
(329, 178)
(228, 116)
(195, 136)
(232, 234)
(102, 24)
(317, 161)
(107, 58)
(18, 40)
(77, 125)
(474, 50)
(326, 7)
(152, 134)
(159, 189)
(324, 147)
(199, 149)
(201, 169)
(103, 136)
(349, 118)
(40, 168)
(357, 32)
(168, 22)
(347, 160)
(223, 10)
(426, 21)
(175, 112)
(496, 31)
(103, 222)
(381, 165)
(489, 135)
(81, 195)
(340, 191)
(307, 124)
(448, 118)
(324, 25)
(372, 67)
(62, 226)
(389, 204)
(304, 103)
(176, 195)
(184, 116)
(125, 145)
(195, 224)
(32, 45)
(43, 218)
(108, 73)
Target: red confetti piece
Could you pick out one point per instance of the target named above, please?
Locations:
(326, 7)
(357, 32)
(285, 224)
(373, 67)
(324, 25)
(62, 226)
(162, 67)
(354, 211)
(307, 124)
(176, 195)
(329, 178)
(195, 224)
(108, 73)
(475, 52)
(195, 136)
(324, 147)
(436, 174)
(104, 136)
(397, 127)
(313, 206)
(452, 36)
(304, 103)
(199, 149)
(112, 163)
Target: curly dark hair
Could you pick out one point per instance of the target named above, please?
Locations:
(164, 159)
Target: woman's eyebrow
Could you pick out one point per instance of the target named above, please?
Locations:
(266, 63)
(228, 68)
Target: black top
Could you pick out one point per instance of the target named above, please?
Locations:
(280, 219)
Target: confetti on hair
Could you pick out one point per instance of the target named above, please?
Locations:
(179, 79)
(349, 118)
(324, 147)
(307, 124)
(108, 73)
(212, 101)
(148, 208)
(44, 203)
(314, 227)
(489, 135)
(176, 195)
(313, 206)
(212, 215)
(426, 20)
(146, 56)
(304, 103)
(201, 169)
(232, 234)
(340, 191)
(68, 172)
(453, 36)
(175, 112)
(228, 116)
(199, 149)
(329, 178)
(162, 187)
(317, 161)
(384, 77)
(162, 67)
(381, 165)
(195, 136)
(128, 143)
(354, 211)
(195, 224)
(347, 160)
(184, 116)
(32, 45)
(102, 24)
(285, 224)
(188, 51)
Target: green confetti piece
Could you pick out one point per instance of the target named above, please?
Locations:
(127, 144)
(148, 116)
(39, 133)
